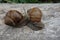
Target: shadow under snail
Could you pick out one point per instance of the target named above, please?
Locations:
(13, 18)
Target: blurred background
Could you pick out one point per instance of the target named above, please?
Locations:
(29, 1)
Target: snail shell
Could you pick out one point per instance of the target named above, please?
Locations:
(13, 18)
(35, 14)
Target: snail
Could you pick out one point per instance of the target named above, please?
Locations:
(13, 18)
(35, 16)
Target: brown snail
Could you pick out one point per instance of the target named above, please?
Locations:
(13, 18)
(35, 16)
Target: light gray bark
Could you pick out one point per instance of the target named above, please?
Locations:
(50, 19)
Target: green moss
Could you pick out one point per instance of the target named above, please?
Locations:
(30, 1)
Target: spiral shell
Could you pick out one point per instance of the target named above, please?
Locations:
(13, 17)
(35, 14)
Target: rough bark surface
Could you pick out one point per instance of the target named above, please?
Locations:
(50, 21)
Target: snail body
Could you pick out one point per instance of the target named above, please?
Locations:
(13, 17)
